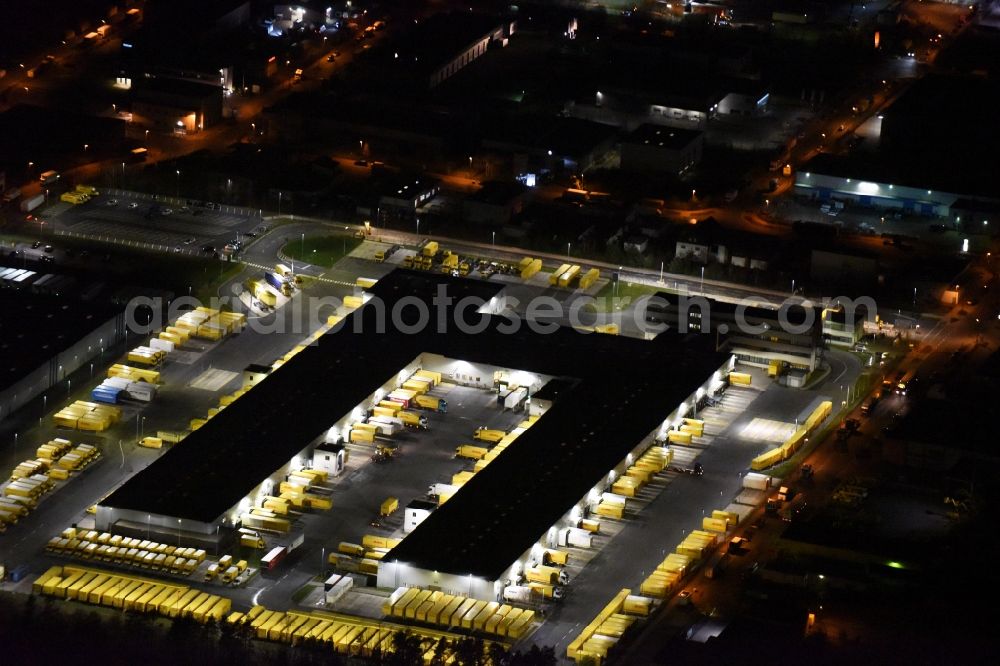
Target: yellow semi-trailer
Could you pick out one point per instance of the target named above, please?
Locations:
(145, 603)
(479, 622)
(434, 377)
(431, 403)
(470, 452)
(136, 594)
(507, 621)
(470, 615)
(83, 593)
(567, 277)
(463, 608)
(73, 582)
(494, 620)
(554, 278)
(445, 614)
(50, 574)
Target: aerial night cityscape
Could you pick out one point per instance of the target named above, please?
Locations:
(499, 333)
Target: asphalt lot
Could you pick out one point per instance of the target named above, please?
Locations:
(139, 218)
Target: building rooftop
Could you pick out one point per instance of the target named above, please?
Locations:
(177, 88)
(905, 171)
(497, 515)
(539, 133)
(434, 42)
(949, 99)
(658, 136)
(795, 313)
(42, 327)
(499, 192)
(511, 503)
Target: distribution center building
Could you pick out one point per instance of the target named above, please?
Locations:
(616, 397)
(66, 334)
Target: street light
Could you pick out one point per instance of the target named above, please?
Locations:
(177, 185)
(568, 247)
(279, 203)
(494, 241)
(703, 280)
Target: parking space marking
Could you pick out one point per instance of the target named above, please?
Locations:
(213, 380)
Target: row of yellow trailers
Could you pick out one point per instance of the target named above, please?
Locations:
(797, 439)
(482, 455)
(130, 593)
(720, 521)
(602, 634)
(126, 551)
(209, 323)
(567, 274)
(689, 428)
(346, 635)
(642, 471)
(83, 415)
(134, 374)
(447, 610)
(364, 557)
(33, 478)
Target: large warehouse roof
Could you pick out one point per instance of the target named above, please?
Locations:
(626, 389)
(39, 327)
(216, 466)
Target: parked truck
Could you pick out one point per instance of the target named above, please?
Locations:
(431, 403)
(547, 575)
(278, 283)
(30, 204)
(412, 419)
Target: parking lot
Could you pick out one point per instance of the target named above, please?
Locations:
(158, 224)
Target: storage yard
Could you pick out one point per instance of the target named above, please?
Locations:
(454, 483)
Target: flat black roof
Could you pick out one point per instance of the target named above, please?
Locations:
(660, 136)
(499, 192)
(435, 41)
(794, 311)
(216, 466)
(178, 88)
(41, 327)
(949, 99)
(507, 506)
(916, 171)
(502, 510)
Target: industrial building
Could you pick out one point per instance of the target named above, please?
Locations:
(937, 144)
(758, 336)
(64, 335)
(662, 149)
(176, 105)
(542, 484)
(441, 46)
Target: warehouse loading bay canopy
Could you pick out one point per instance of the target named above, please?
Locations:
(622, 390)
